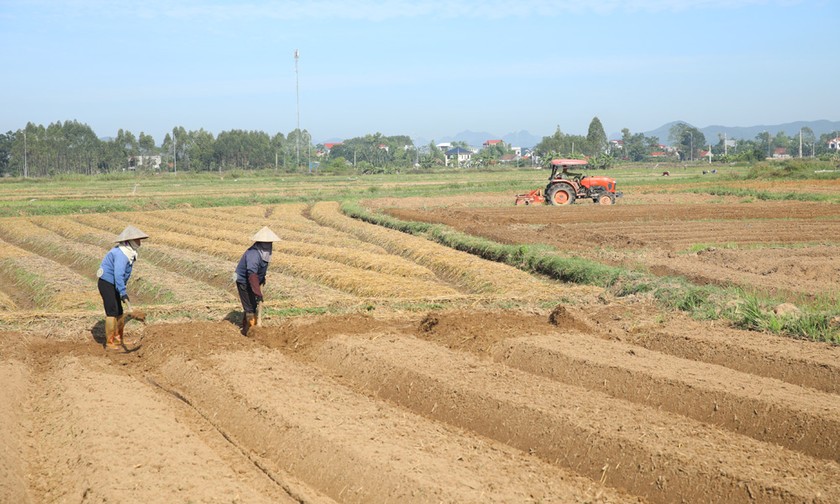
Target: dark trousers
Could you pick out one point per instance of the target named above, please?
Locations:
(110, 298)
(247, 297)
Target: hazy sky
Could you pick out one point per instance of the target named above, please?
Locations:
(424, 68)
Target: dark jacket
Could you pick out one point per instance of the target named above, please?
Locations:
(250, 264)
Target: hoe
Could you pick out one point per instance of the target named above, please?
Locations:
(564, 187)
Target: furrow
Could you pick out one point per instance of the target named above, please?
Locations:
(355, 449)
(766, 409)
(661, 457)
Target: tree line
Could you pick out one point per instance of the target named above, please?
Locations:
(72, 147)
(686, 143)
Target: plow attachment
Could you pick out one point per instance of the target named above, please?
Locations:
(534, 197)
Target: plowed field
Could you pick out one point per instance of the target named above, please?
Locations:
(393, 369)
(786, 248)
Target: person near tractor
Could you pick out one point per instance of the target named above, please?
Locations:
(250, 275)
(113, 274)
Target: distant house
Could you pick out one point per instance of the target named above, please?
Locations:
(459, 155)
(328, 147)
(490, 143)
(780, 153)
(152, 162)
(834, 144)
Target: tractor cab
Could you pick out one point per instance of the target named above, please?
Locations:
(560, 170)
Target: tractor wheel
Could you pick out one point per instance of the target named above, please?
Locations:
(606, 199)
(561, 194)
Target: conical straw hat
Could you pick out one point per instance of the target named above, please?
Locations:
(265, 235)
(130, 233)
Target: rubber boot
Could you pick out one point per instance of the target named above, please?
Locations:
(250, 321)
(118, 339)
(111, 333)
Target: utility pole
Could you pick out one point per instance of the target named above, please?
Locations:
(800, 143)
(297, 95)
(174, 152)
(25, 168)
(768, 143)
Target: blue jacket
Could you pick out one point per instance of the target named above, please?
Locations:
(116, 269)
(251, 263)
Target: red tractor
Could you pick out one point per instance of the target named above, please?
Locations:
(564, 187)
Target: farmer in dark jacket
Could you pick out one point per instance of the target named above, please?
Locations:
(250, 275)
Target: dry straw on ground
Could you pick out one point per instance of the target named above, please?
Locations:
(290, 221)
(477, 275)
(48, 283)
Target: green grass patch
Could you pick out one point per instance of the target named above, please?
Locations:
(755, 314)
(752, 194)
(422, 306)
(127, 191)
(806, 168)
(130, 192)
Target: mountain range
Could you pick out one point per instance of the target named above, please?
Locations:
(525, 139)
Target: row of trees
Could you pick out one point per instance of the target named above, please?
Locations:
(686, 143)
(72, 147)
(592, 145)
(691, 144)
(375, 153)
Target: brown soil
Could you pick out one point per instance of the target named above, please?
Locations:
(790, 249)
(573, 404)
(568, 396)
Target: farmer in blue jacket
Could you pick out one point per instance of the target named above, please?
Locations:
(113, 274)
(250, 275)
